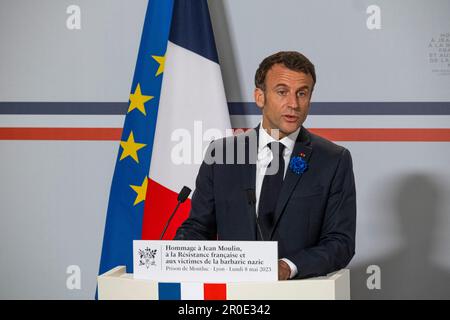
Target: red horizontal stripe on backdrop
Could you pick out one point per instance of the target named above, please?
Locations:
(88, 134)
(334, 134)
(383, 134)
(159, 205)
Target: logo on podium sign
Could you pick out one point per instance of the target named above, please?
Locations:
(147, 257)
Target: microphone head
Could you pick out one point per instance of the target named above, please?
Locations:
(184, 194)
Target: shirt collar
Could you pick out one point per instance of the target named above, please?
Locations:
(265, 139)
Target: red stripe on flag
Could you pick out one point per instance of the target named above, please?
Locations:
(89, 134)
(159, 205)
(215, 291)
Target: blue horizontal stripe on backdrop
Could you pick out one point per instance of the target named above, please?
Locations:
(62, 108)
(235, 108)
(356, 108)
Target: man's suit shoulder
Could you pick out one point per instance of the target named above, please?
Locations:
(323, 145)
(319, 144)
(234, 140)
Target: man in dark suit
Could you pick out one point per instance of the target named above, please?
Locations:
(278, 181)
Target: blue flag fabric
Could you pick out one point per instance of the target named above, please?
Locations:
(126, 206)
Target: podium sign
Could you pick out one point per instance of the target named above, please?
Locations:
(205, 261)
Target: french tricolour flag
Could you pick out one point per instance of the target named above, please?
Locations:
(192, 291)
(177, 96)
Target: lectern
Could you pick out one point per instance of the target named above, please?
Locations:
(117, 284)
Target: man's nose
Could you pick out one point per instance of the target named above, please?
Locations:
(293, 101)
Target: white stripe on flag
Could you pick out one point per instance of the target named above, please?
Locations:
(192, 291)
(192, 91)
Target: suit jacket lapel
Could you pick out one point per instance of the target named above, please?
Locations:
(302, 145)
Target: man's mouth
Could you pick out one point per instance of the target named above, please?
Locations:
(290, 118)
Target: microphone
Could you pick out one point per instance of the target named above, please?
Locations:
(251, 198)
(182, 196)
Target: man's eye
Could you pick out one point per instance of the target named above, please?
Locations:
(282, 92)
(301, 94)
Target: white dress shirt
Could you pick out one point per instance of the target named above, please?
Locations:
(264, 158)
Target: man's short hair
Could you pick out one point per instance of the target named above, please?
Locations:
(292, 60)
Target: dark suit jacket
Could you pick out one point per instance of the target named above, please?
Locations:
(315, 213)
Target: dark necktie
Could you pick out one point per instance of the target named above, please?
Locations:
(270, 190)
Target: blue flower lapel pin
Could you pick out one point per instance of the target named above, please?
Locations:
(298, 164)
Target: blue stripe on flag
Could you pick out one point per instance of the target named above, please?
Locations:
(125, 212)
(191, 28)
(169, 291)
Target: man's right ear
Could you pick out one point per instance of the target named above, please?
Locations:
(259, 97)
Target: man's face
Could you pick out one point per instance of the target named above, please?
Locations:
(285, 102)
